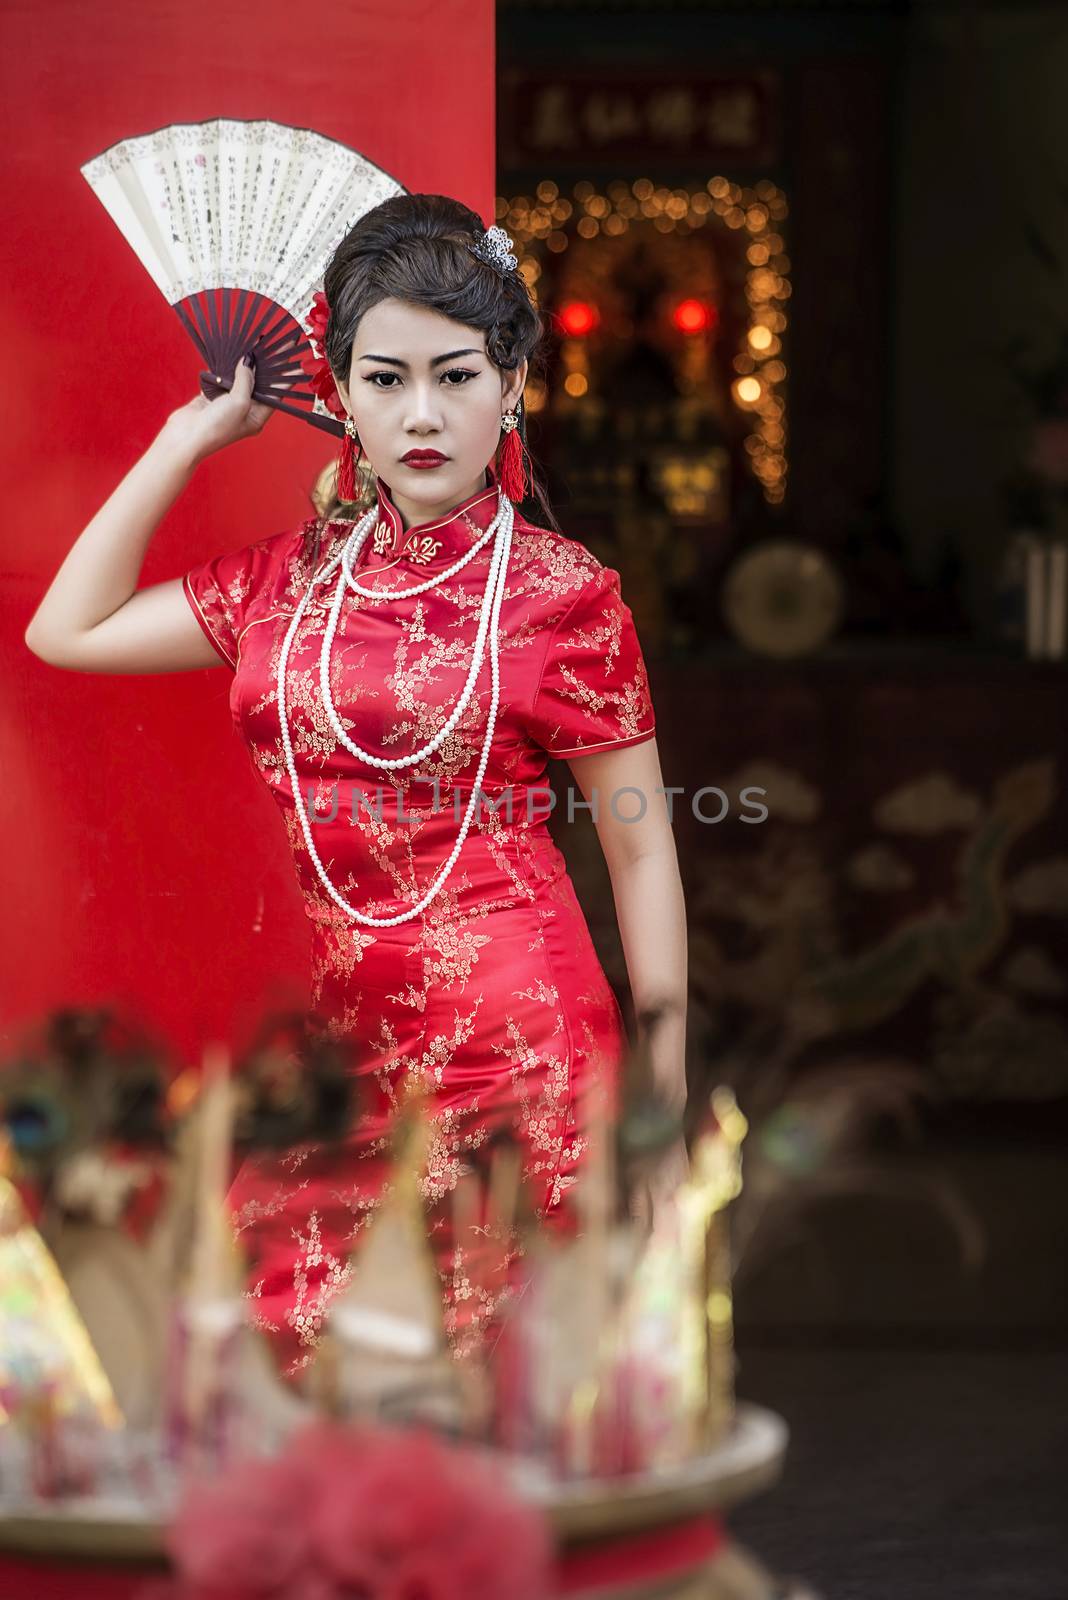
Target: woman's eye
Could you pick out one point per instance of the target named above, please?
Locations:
(453, 379)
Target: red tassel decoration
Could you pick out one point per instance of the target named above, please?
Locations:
(346, 468)
(513, 468)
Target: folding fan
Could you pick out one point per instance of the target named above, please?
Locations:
(235, 223)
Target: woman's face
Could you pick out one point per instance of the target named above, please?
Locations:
(421, 386)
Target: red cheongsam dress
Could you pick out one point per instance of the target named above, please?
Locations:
(492, 999)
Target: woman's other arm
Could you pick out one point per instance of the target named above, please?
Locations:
(639, 848)
(93, 618)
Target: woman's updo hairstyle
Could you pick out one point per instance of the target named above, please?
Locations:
(417, 247)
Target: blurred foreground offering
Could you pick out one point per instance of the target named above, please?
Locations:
(129, 1355)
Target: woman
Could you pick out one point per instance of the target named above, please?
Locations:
(460, 962)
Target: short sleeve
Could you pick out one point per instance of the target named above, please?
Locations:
(225, 592)
(594, 688)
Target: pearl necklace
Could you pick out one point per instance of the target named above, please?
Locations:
(352, 548)
(489, 617)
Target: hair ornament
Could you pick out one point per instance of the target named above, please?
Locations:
(495, 248)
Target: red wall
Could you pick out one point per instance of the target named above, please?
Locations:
(143, 862)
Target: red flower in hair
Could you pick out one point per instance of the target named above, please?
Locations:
(314, 362)
(319, 316)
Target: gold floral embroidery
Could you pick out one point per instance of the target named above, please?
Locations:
(625, 709)
(424, 549)
(603, 640)
(309, 1308)
(382, 538)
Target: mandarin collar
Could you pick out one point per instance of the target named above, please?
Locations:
(428, 544)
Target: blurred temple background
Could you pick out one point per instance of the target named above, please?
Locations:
(807, 390)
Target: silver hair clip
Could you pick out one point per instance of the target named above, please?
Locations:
(495, 248)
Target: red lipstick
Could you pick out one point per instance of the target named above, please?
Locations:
(424, 458)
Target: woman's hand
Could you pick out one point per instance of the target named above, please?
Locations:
(653, 1195)
(203, 426)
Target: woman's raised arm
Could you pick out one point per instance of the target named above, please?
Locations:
(93, 618)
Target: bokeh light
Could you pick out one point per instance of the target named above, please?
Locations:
(694, 316)
(579, 317)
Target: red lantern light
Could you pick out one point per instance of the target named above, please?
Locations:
(578, 318)
(694, 316)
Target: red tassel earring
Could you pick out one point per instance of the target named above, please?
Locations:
(348, 462)
(513, 460)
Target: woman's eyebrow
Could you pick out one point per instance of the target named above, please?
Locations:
(451, 355)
